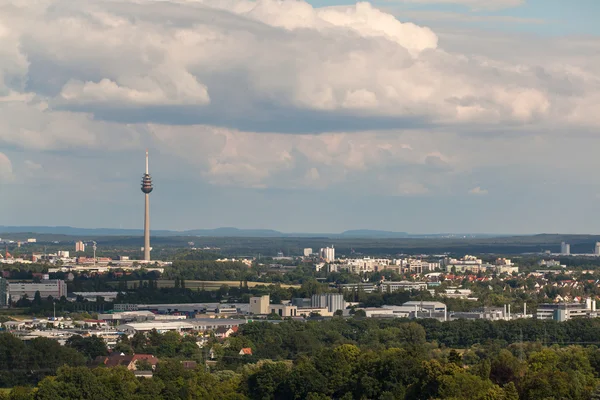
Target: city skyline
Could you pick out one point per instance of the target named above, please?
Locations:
(418, 116)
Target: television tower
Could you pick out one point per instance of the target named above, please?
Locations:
(147, 188)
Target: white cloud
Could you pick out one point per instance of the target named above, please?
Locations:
(476, 5)
(478, 191)
(391, 104)
(265, 63)
(6, 170)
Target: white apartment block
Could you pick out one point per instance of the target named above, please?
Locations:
(415, 266)
(55, 288)
(79, 246)
(359, 265)
(467, 263)
(328, 253)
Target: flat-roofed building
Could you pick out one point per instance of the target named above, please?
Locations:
(402, 285)
(260, 305)
(55, 288)
(365, 287)
(566, 311)
(163, 326)
(283, 310)
(307, 311)
(126, 316)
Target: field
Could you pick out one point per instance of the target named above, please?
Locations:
(206, 285)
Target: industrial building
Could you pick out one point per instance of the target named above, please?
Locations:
(331, 301)
(55, 288)
(259, 305)
(566, 311)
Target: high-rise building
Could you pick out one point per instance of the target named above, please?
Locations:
(565, 248)
(597, 249)
(307, 252)
(79, 246)
(328, 253)
(147, 188)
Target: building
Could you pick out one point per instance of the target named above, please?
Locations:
(307, 252)
(487, 313)
(565, 249)
(597, 249)
(283, 310)
(314, 311)
(32, 240)
(415, 266)
(259, 305)
(418, 309)
(79, 246)
(566, 311)
(302, 302)
(389, 287)
(246, 351)
(125, 307)
(331, 301)
(128, 361)
(55, 288)
(128, 316)
(365, 287)
(4, 293)
(328, 253)
(367, 264)
(467, 263)
(161, 326)
(93, 296)
(147, 187)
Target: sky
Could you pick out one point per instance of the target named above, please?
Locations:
(421, 116)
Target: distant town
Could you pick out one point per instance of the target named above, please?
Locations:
(441, 287)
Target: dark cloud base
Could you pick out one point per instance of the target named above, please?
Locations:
(265, 118)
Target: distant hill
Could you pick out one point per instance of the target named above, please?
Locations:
(361, 233)
(234, 232)
(70, 231)
(225, 232)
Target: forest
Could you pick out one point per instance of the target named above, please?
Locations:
(353, 358)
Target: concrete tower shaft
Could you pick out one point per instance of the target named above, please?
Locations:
(147, 188)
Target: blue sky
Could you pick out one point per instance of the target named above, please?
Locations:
(556, 17)
(422, 116)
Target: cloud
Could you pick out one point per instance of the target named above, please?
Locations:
(448, 16)
(273, 96)
(478, 191)
(267, 66)
(6, 170)
(476, 5)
